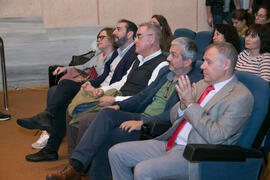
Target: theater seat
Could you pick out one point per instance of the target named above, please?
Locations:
(184, 32)
(203, 39)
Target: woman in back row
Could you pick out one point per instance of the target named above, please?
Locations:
(256, 56)
(226, 33)
(167, 35)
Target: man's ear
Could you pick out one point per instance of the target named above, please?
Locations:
(130, 35)
(227, 64)
(188, 62)
(153, 38)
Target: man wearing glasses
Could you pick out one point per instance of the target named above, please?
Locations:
(153, 103)
(263, 15)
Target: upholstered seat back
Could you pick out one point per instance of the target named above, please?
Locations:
(260, 90)
(184, 32)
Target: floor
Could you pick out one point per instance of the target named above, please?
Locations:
(15, 142)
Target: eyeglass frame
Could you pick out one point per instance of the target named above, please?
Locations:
(261, 16)
(101, 37)
(140, 36)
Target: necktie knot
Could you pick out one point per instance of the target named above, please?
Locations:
(209, 88)
(204, 94)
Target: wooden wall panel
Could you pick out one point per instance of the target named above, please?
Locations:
(20, 8)
(137, 11)
(69, 13)
(179, 13)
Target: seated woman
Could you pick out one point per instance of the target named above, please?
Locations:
(241, 21)
(105, 50)
(96, 65)
(167, 35)
(256, 56)
(226, 33)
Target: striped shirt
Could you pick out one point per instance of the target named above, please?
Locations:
(259, 65)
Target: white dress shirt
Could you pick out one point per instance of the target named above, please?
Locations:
(183, 134)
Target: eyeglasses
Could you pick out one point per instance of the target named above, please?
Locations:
(261, 16)
(101, 37)
(139, 36)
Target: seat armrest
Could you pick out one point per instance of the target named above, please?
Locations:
(154, 129)
(209, 152)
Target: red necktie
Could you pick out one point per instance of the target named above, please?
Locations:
(184, 121)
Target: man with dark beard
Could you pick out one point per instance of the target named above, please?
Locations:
(53, 119)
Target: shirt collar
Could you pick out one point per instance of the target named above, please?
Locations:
(123, 52)
(144, 60)
(220, 85)
(170, 76)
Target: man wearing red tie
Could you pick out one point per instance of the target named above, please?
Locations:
(213, 111)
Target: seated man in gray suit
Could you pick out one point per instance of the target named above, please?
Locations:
(213, 111)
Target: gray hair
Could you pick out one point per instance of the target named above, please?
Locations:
(155, 29)
(226, 51)
(190, 49)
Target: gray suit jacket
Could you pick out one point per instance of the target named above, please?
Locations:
(221, 120)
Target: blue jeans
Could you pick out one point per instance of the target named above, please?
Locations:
(218, 18)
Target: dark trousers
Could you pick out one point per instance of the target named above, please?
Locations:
(102, 133)
(75, 134)
(59, 98)
(219, 18)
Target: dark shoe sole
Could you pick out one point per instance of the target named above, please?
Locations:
(54, 158)
(50, 178)
(32, 125)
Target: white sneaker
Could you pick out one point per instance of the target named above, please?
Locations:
(42, 141)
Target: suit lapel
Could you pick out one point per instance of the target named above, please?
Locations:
(225, 91)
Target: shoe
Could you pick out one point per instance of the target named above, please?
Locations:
(4, 117)
(42, 155)
(68, 173)
(40, 121)
(42, 141)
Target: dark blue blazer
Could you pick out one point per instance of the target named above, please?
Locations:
(140, 101)
(120, 70)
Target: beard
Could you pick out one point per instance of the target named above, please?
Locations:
(120, 42)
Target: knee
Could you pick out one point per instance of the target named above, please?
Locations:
(141, 171)
(106, 114)
(115, 153)
(107, 111)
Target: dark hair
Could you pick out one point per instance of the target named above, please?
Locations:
(267, 8)
(230, 34)
(167, 35)
(130, 26)
(241, 14)
(263, 31)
